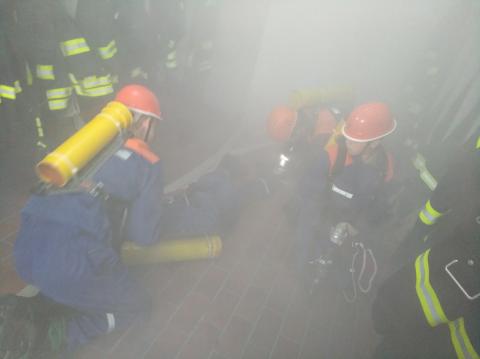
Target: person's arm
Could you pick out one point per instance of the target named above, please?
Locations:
(144, 217)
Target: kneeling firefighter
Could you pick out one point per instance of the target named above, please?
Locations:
(342, 192)
(64, 245)
(430, 308)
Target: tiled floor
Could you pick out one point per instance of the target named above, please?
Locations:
(247, 303)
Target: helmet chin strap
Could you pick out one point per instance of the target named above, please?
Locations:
(149, 127)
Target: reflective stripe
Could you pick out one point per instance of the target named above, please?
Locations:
(18, 87)
(429, 215)
(342, 192)
(55, 105)
(74, 47)
(45, 72)
(92, 86)
(8, 92)
(39, 126)
(460, 340)
(110, 322)
(432, 309)
(478, 143)
(138, 72)
(94, 81)
(107, 52)
(425, 175)
(171, 61)
(59, 93)
(96, 92)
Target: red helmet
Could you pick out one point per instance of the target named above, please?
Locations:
(281, 122)
(139, 99)
(369, 122)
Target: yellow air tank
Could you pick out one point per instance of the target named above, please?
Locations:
(177, 250)
(59, 166)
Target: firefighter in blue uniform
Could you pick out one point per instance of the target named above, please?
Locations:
(64, 244)
(345, 183)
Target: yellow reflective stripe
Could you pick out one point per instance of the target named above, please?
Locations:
(138, 72)
(171, 61)
(38, 124)
(93, 81)
(8, 92)
(107, 52)
(18, 88)
(432, 309)
(97, 91)
(420, 164)
(55, 105)
(478, 143)
(460, 340)
(429, 215)
(45, 72)
(74, 47)
(59, 93)
(73, 79)
(172, 55)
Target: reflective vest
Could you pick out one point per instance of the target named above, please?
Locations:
(435, 313)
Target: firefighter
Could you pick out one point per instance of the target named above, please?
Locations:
(32, 34)
(300, 135)
(345, 186)
(64, 245)
(430, 307)
(312, 120)
(85, 59)
(445, 205)
(157, 35)
(100, 32)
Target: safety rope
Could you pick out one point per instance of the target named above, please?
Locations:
(356, 282)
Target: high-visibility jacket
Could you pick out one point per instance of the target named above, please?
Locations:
(96, 19)
(440, 289)
(35, 37)
(87, 73)
(448, 196)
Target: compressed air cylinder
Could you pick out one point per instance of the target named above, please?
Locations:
(59, 166)
(177, 250)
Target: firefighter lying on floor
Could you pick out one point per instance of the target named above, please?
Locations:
(65, 242)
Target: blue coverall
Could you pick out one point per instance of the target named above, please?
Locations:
(64, 244)
(348, 197)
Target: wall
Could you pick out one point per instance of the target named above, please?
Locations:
(371, 44)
